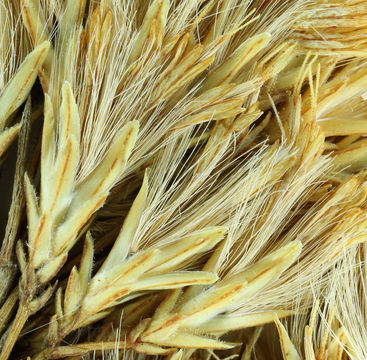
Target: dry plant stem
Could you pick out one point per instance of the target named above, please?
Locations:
(7, 265)
(81, 349)
(20, 319)
(7, 309)
(29, 304)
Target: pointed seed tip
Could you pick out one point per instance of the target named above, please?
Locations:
(135, 124)
(66, 85)
(45, 45)
(295, 247)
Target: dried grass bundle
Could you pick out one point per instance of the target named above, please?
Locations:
(197, 184)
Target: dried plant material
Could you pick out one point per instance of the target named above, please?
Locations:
(14, 45)
(154, 20)
(173, 324)
(224, 323)
(52, 233)
(16, 91)
(211, 157)
(351, 158)
(324, 337)
(349, 297)
(7, 261)
(333, 27)
(229, 69)
(288, 349)
(7, 309)
(87, 298)
(36, 26)
(343, 127)
(219, 103)
(169, 327)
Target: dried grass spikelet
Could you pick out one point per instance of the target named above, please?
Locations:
(123, 282)
(175, 324)
(16, 90)
(288, 195)
(321, 333)
(332, 28)
(314, 334)
(326, 332)
(191, 243)
(350, 303)
(349, 154)
(352, 233)
(168, 326)
(234, 319)
(87, 298)
(48, 217)
(106, 37)
(340, 86)
(54, 221)
(18, 72)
